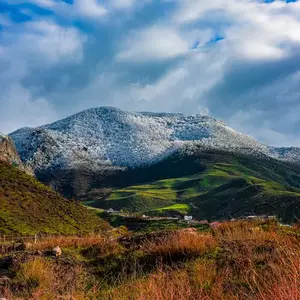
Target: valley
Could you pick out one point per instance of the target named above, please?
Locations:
(228, 186)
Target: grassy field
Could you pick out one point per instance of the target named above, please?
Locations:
(236, 260)
(183, 209)
(221, 191)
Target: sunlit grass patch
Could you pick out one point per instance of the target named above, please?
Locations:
(180, 208)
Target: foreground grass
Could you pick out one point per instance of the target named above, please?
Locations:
(238, 260)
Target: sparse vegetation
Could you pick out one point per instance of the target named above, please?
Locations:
(236, 260)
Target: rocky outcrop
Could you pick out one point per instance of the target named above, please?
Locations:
(9, 154)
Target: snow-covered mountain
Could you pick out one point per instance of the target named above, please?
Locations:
(108, 136)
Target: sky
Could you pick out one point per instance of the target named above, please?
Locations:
(235, 60)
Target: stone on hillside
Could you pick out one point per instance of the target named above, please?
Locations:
(57, 251)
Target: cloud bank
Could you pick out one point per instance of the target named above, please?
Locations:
(236, 60)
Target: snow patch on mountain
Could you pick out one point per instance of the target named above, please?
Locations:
(107, 136)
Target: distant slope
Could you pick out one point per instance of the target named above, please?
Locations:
(211, 184)
(29, 207)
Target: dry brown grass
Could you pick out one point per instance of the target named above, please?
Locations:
(68, 241)
(237, 261)
(40, 278)
(248, 263)
(181, 242)
(285, 284)
(244, 230)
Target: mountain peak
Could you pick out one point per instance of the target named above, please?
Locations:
(108, 136)
(106, 111)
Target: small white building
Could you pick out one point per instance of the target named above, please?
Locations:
(188, 218)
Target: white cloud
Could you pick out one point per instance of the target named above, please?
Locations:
(121, 4)
(255, 33)
(80, 8)
(192, 10)
(249, 79)
(53, 41)
(93, 10)
(178, 90)
(42, 41)
(35, 47)
(19, 107)
(259, 50)
(157, 42)
(89, 8)
(252, 29)
(44, 3)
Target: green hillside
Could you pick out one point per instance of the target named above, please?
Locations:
(29, 207)
(214, 185)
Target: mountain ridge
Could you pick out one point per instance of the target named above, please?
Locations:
(102, 135)
(110, 132)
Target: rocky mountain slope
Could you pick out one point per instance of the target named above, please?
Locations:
(108, 136)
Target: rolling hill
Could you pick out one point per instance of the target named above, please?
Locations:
(209, 185)
(29, 207)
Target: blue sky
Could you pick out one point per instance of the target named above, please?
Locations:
(236, 60)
